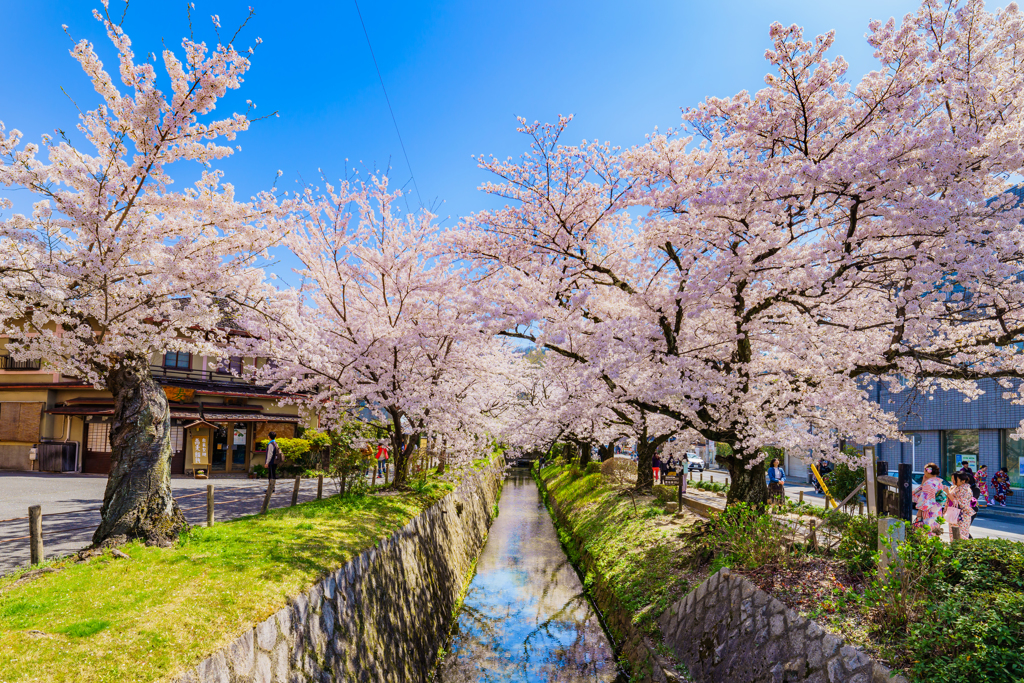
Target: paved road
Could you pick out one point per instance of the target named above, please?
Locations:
(987, 523)
(71, 505)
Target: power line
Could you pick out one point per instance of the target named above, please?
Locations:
(388, 100)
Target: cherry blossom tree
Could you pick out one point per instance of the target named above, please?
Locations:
(382, 329)
(798, 241)
(113, 266)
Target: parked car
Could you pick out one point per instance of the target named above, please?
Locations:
(694, 462)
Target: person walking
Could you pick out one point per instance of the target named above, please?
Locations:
(274, 456)
(960, 506)
(658, 467)
(981, 477)
(931, 500)
(382, 459)
(1001, 486)
(776, 483)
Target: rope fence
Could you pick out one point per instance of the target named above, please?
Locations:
(250, 495)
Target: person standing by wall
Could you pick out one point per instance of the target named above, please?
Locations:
(1001, 486)
(274, 456)
(981, 478)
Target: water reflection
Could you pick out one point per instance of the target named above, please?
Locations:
(525, 617)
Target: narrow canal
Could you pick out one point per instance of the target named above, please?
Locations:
(525, 617)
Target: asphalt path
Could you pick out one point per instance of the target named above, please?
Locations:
(71, 502)
(988, 523)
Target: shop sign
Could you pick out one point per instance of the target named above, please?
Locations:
(239, 436)
(200, 452)
(180, 394)
(969, 459)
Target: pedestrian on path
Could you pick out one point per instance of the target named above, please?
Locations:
(981, 477)
(776, 483)
(656, 464)
(1001, 486)
(931, 500)
(960, 506)
(382, 459)
(274, 457)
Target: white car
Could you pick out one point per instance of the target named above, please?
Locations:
(694, 462)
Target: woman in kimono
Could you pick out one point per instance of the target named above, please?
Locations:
(981, 477)
(1001, 486)
(960, 499)
(931, 499)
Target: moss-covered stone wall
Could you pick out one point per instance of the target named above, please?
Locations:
(382, 616)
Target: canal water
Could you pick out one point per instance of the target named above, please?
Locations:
(525, 617)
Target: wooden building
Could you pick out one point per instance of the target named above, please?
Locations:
(212, 408)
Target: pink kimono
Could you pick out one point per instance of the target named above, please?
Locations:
(928, 507)
(960, 498)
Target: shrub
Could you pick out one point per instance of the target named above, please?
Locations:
(973, 630)
(664, 493)
(741, 536)
(897, 596)
(619, 471)
(859, 544)
(593, 467)
(295, 451)
(842, 481)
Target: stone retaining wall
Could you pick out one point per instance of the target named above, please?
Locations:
(383, 616)
(730, 631)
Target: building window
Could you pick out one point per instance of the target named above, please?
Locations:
(99, 437)
(181, 360)
(1011, 454)
(230, 366)
(917, 454)
(177, 438)
(960, 446)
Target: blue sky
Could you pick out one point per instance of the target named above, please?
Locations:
(457, 73)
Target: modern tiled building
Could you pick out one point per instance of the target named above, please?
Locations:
(946, 429)
(217, 417)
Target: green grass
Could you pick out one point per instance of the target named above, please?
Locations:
(149, 617)
(638, 554)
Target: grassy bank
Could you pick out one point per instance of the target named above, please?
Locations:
(634, 543)
(162, 610)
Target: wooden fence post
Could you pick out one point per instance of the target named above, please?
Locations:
(266, 498)
(35, 532)
(813, 536)
(801, 497)
(955, 532)
(904, 489)
(209, 505)
(320, 487)
(295, 491)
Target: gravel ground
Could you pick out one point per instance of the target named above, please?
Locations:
(71, 503)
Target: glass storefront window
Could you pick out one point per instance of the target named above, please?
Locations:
(1012, 453)
(961, 445)
(238, 441)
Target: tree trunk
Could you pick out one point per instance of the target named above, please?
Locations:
(747, 485)
(138, 502)
(586, 451)
(605, 451)
(644, 457)
(402, 448)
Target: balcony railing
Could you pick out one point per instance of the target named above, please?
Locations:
(8, 363)
(197, 376)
